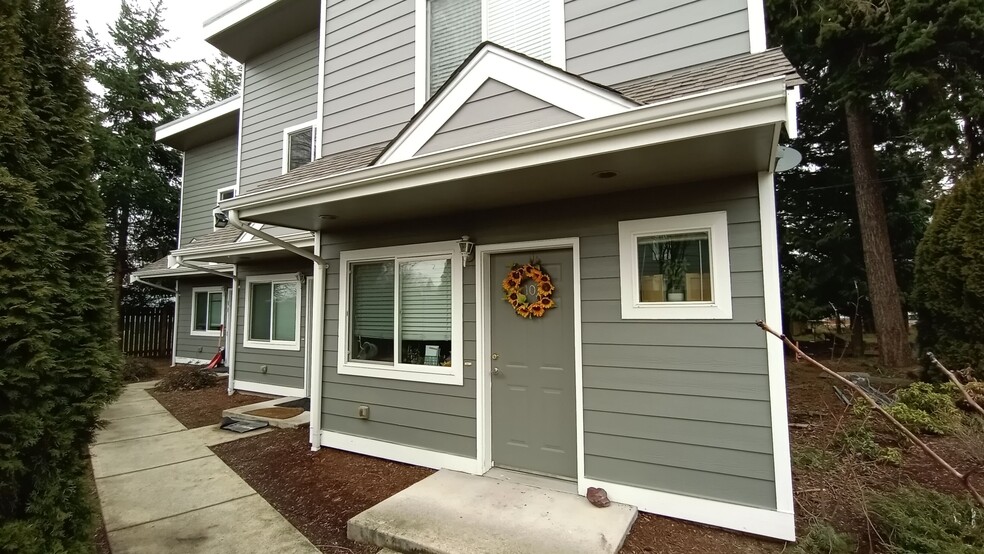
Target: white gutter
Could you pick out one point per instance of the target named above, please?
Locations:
(233, 220)
(137, 279)
(233, 321)
(317, 325)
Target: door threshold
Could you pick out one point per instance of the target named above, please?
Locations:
(540, 481)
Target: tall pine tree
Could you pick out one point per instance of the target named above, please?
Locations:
(138, 177)
(59, 363)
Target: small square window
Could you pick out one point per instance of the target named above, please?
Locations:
(208, 310)
(675, 267)
(298, 147)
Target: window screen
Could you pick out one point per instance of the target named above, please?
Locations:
(455, 29)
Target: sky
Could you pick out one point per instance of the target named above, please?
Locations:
(182, 18)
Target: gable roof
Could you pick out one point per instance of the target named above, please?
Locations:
(647, 90)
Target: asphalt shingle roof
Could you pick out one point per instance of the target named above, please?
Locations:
(222, 236)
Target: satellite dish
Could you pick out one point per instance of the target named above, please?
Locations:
(787, 159)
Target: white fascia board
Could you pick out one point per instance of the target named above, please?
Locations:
(201, 117)
(182, 272)
(547, 83)
(730, 108)
(234, 15)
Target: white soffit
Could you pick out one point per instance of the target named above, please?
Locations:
(234, 14)
(191, 121)
(549, 84)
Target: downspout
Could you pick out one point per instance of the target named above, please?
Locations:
(136, 279)
(232, 218)
(180, 261)
(231, 330)
(317, 342)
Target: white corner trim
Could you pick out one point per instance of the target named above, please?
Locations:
(200, 117)
(239, 132)
(558, 34)
(262, 388)
(716, 224)
(190, 361)
(492, 62)
(483, 336)
(285, 150)
(194, 306)
(322, 45)
(295, 344)
(792, 112)
(400, 453)
(174, 323)
(181, 200)
(756, 26)
(758, 521)
(453, 375)
(316, 346)
(232, 330)
(420, 58)
(777, 367)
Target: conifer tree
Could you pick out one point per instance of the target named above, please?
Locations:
(58, 354)
(221, 79)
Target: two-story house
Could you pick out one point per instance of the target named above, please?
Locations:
(530, 234)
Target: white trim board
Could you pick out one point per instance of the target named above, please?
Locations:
(399, 452)
(239, 131)
(483, 335)
(249, 386)
(200, 117)
(285, 147)
(757, 521)
(776, 359)
(322, 54)
(756, 26)
(551, 85)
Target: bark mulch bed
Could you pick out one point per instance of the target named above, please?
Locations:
(198, 408)
(318, 492)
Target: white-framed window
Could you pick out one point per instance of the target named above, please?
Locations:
(273, 312)
(675, 267)
(207, 311)
(449, 30)
(221, 195)
(298, 147)
(401, 314)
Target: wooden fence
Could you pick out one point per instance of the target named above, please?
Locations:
(148, 332)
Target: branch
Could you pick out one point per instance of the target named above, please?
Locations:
(953, 378)
(963, 478)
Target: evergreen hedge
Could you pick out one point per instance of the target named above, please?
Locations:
(949, 287)
(59, 358)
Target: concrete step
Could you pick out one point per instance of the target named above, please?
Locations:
(239, 413)
(451, 513)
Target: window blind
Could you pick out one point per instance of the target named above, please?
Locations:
(455, 30)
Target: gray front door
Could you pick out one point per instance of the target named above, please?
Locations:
(533, 420)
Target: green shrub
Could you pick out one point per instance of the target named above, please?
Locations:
(821, 538)
(858, 439)
(809, 457)
(915, 520)
(924, 408)
(190, 378)
(949, 277)
(138, 369)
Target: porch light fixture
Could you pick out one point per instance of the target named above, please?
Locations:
(465, 246)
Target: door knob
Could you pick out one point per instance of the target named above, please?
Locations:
(495, 356)
(495, 371)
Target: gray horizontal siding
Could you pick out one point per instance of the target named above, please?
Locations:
(207, 169)
(611, 42)
(495, 110)
(680, 406)
(285, 368)
(188, 345)
(369, 72)
(280, 90)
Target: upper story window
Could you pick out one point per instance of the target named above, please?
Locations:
(298, 146)
(449, 30)
(221, 195)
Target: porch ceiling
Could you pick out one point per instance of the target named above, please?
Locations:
(739, 152)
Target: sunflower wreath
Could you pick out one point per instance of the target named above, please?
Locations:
(513, 285)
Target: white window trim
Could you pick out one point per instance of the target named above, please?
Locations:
(194, 305)
(285, 154)
(558, 43)
(218, 199)
(716, 223)
(453, 375)
(294, 278)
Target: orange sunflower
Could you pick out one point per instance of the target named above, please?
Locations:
(547, 302)
(545, 287)
(537, 309)
(523, 310)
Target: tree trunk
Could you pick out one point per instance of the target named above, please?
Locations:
(886, 304)
(857, 337)
(120, 262)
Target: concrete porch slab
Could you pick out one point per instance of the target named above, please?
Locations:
(211, 435)
(451, 512)
(239, 413)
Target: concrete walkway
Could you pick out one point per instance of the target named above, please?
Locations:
(163, 490)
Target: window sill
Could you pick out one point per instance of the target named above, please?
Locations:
(671, 310)
(295, 346)
(453, 376)
(206, 333)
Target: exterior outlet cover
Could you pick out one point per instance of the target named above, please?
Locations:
(263, 369)
(363, 412)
